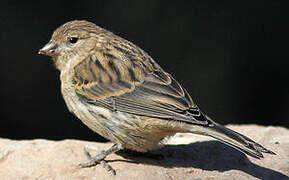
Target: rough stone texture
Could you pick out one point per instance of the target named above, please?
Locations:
(185, 156)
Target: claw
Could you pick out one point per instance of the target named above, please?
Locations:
(107, 167)
(99, 158)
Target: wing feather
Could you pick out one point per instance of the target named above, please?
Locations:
(148, 91)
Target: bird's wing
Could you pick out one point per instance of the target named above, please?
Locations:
(118, 87)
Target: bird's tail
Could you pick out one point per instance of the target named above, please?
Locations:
(234, 139)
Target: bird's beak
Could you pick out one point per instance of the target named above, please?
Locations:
(49, 49)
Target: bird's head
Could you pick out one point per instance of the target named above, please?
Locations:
(73, 40)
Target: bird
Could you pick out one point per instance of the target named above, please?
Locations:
(118, 91)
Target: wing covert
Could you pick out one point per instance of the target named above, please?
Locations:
(134, 89)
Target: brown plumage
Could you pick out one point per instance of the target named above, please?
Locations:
(120, 92)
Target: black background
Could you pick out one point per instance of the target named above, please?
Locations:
(231, 57)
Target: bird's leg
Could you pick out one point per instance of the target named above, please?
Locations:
(99, 158)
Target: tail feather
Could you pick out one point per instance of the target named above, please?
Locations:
(235, 140)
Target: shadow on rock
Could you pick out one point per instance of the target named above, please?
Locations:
(209, 155)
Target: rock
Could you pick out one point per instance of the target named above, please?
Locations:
(185, 156)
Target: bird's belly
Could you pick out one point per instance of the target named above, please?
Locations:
(131, 131)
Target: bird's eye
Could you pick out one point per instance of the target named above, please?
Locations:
(73, 40)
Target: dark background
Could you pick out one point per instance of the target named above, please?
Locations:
(231, 57)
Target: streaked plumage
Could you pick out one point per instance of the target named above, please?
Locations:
(120, 92)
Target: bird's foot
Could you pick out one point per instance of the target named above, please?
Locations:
(99, 158)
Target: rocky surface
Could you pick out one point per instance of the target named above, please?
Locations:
(185, 156)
